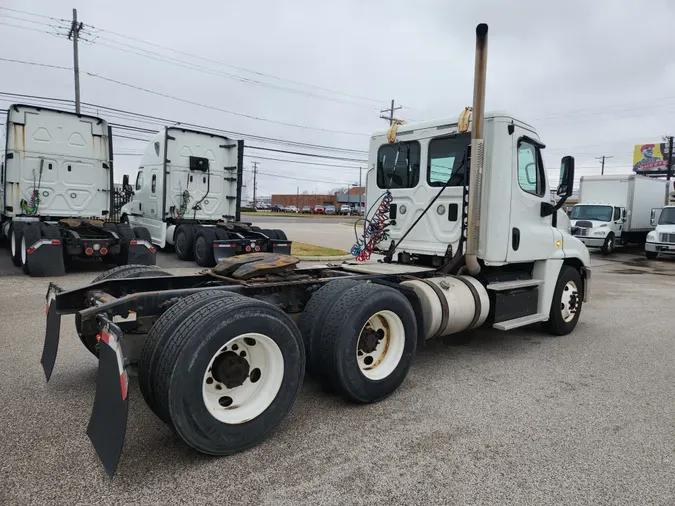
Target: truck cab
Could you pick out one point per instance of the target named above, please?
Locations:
(661, 239)
(598, 225)
(423, 174)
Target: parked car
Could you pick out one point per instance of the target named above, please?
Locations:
(318, 210)
(345, 209)
(357, 211)
(330, 210)
(291, 209)
(278, 208)
(306, 210)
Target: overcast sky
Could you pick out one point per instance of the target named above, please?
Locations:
(595, 78)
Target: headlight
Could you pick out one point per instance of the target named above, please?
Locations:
(651, 237)
(603, 225)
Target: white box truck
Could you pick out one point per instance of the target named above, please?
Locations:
(57, 193)
(661, 239)
(188, 195)
(616, 210)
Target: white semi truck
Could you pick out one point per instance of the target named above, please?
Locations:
(615, 210)
(57, 193)
(461, 210)
(662, 238)
(188, 195)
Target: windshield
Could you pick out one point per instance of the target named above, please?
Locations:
(594, 213)
(667, 216)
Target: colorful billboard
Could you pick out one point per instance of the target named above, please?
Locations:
(651, 158)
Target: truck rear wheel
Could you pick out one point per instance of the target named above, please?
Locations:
(142, 234)
(124, 271)
(313, 316)
(204, 247)
(566, 303)
(608, 246)
(651, 255)
(368, 341)
(160, 332)
(184, 242)
(15, 234)
(281, 235)
(230, 374)
(30, 235)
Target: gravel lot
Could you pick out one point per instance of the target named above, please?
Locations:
(510, 418)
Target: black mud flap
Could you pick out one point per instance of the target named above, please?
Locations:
(281, 247)
(45, 258)
(223, 250)
(141, 253)
(108, 423)
(52, 331)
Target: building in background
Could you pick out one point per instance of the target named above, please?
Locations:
(302, 199)
(355, 197)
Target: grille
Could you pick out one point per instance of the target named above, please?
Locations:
(581, 231)
(667, 237)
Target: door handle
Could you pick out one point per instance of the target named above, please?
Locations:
(515, 239)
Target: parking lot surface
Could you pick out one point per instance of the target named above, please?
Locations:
(509, 418)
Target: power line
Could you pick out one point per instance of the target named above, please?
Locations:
(262, 74)
(284, 176)
(310, 154)
(187, 101)
(33, 14)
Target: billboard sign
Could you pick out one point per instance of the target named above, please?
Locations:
(650, 158)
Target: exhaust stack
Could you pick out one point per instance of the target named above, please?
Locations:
(477, 152)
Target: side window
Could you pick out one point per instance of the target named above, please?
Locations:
(445, 160)
(139, 180)
(530, 169)
(153, 185)
(617, 213)
(398, 165)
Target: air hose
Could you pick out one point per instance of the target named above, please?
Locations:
(374, 230)
(31, 207)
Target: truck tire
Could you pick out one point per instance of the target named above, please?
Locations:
(160, 332)
(255, 229)
(29, 236)
(281, 235)
(184, 242)
(313, 316)
(203, 250)
(221, 234)
(368, 341)
(608, 247)
(566, 303)
(651, 255)
(142, 234)
(108, 225)
(229, 374)
(269, 233)
(123, 271)
(15, 235)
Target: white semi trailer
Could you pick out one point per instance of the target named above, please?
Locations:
(615, 210)
(188, 195)
(57, 193)
(460, 208)
(662, 238)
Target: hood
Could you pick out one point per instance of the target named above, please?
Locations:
(665, 229)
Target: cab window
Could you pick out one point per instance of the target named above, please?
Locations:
(530, 169)
(617, 213)
(445, 160)
(139, 180)
(398, 165)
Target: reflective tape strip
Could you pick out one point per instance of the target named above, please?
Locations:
(112, 341)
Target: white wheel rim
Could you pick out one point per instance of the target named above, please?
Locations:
(569, 302)
(380, 345)
(13, 243)
(234, 394)
(23, 251)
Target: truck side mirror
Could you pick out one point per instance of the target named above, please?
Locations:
(125, 181)
(623, 214)
(566, 184)
(653, 218)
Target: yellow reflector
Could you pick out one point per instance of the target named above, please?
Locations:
(558, 243)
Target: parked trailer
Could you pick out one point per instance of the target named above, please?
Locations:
(221, 355)
(615, 210)
(188, 195)
(56, 195)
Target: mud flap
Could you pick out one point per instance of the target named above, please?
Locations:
(46, 259)
(108, 423)
(52, 331)
(141, 253)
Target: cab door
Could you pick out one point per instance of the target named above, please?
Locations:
(532, 237)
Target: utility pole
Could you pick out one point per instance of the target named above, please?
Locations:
(603, 157)
(360, 177)
(255, 187)
(391, 110)
(75, 28)
(297, 198)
